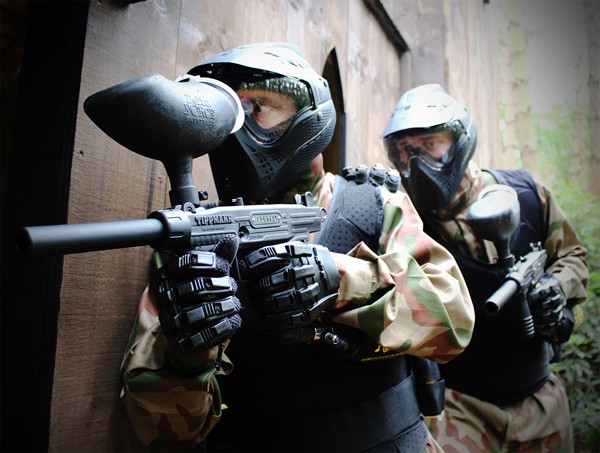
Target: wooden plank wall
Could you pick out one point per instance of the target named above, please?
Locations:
(447, 39)
(100, 290)
(108, 183)
(472, 73)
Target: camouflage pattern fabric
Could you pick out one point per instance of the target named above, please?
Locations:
(539, 423)
(424, 313)
(173, 402)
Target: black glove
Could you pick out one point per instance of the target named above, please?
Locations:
(289, 285)
(551, 319)
(196, 298)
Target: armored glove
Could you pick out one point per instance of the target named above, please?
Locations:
(196, 298)
(289, 286)
(552, 320)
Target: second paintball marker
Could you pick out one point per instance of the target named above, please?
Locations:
(522, 277)
(494, 217)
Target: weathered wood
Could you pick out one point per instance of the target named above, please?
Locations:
(515, 96)
(108, 182)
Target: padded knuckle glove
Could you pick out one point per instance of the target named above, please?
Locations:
(289, 285)
(547, 303)
(196, 298)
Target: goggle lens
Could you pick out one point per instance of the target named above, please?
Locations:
(271, 105)
(435, 148)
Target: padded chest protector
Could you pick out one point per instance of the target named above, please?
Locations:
(355, 215)
(498, 365)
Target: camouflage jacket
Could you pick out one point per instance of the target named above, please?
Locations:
(174, 401)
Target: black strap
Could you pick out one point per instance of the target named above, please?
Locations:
(355, 428)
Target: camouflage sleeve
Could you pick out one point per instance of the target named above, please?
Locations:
(566, 253)
(412, 297)
(172, 401)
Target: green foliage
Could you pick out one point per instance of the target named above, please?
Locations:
(583, 211)
(580, 367)
(580, 370)
(555, 134)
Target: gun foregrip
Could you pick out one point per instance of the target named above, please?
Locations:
(89, 237)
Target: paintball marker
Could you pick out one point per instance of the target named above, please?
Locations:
(175, 122)
(494, 217)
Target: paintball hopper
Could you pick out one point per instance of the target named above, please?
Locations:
(494, 217)
(170, 121)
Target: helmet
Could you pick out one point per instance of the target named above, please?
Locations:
(431, 172)
(289, 118)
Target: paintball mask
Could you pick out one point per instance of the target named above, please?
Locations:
(289, 119)
(430, 138)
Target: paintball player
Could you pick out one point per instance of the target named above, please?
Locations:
(292, 346)
(500, 393)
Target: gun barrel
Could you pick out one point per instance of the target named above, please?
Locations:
(89, 237)
(496, 301)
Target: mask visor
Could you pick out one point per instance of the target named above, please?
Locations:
(435, 147)
(271, 105)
